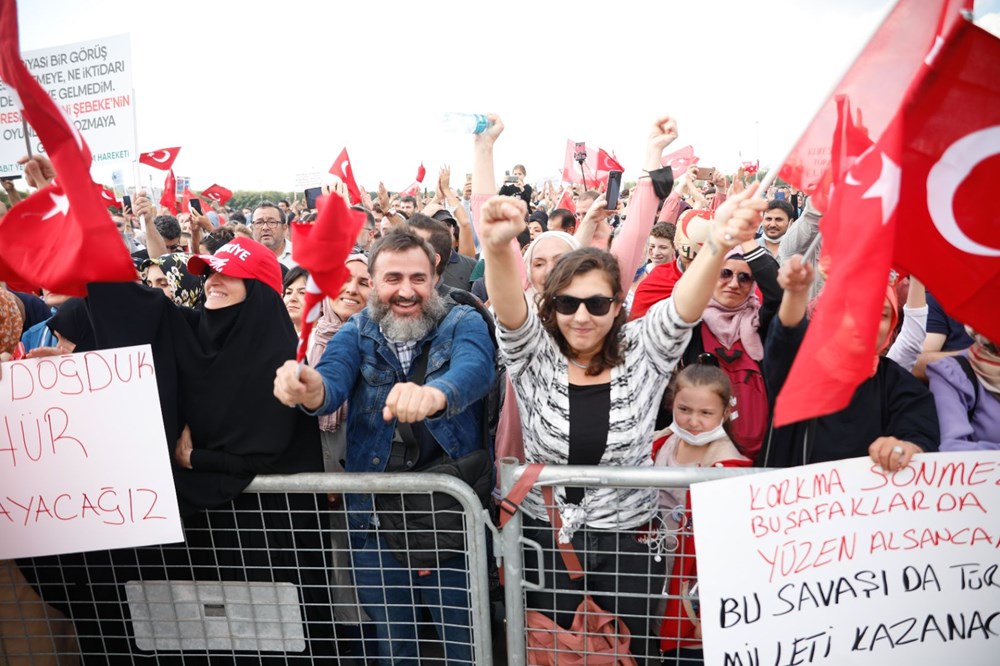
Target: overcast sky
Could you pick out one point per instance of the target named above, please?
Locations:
(257, 92)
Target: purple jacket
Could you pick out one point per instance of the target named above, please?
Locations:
(954, 395)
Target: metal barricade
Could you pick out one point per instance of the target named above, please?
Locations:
(278, 576)
(636, 583)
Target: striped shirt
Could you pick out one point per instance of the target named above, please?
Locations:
(540, 375)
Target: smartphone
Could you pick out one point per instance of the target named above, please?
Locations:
(614, 187)
(312, 194)
(580, 151)
(705, 173)
(779, 195)
(127, 202)
(195, 204)
(10, 177)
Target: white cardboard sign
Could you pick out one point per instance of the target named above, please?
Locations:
(842, 563)
(92, 82)
(83, 458)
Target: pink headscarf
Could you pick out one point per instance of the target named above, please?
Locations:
(738, 323)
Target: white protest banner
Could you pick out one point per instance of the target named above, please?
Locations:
(83, 457)
(843, 563)
(307, 179)
(92, 82)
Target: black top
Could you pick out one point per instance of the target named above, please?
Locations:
(589, 421)
(512, 190)
(892, 402)
(215, 373)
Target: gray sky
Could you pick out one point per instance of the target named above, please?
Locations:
(255, 92)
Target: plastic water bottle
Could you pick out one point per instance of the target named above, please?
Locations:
(465, 123)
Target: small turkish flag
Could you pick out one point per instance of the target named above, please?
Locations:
(108, 196)
(186, 197)
(218, 194)
(566, 201)
(321, 248)
(680, 160)
(169, 197)
(421, 173)
(162, 159)
(342, 169)
(595, 167)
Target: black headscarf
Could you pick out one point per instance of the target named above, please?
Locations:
(215, 373)
(72, 322)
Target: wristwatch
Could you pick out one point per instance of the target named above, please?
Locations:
(391, 212)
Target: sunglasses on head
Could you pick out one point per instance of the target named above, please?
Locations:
(708, 359)
(596, 305)
(743, 278)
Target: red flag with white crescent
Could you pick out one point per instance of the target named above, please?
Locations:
(218, 194)
(169, 197)
(162, 159)
(679, 161)
(321, 247)
(341, 168)
(61, 237)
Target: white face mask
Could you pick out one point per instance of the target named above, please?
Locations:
(701, 439)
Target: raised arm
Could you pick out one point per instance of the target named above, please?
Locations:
(735, 222)
(501, 220)
(630, 245)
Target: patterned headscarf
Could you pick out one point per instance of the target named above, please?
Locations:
(11, 321)
(187, 287)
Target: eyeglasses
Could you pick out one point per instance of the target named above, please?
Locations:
(596, 305)
(743, 278)
(270, 223)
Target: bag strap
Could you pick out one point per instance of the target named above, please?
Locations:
(963, 362)
(510, 504)
(418, 372)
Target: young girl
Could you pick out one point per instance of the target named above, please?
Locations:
(698, 437)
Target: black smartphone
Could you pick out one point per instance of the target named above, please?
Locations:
(580, 151)
(127, 202)
(614, 187)
(312, 194)
(10, 177)
(196, 204)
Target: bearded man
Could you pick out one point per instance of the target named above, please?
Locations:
(370, 363)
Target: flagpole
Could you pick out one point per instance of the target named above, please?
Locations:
(772, 173)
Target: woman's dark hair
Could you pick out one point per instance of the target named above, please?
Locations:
(568, 267)
(217, 239)
(293, 275)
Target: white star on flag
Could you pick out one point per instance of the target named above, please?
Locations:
(60, 205)
(886, 188)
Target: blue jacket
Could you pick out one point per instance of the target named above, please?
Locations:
(360, 366)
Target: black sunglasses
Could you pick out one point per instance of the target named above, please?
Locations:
(596, 305)
(707, 359)
(743, 278)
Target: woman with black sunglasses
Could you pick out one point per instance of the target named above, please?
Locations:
(588, 385)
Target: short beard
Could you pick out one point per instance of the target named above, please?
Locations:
(407, 329)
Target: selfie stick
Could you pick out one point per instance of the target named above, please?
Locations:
(27, 137)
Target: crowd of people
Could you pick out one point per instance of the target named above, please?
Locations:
(656, 332)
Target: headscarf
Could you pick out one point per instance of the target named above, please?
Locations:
(737, 323)
(72, 321)
(985, 361)
(186, 287)
(325, 328)
(11, 321)
(570, 240)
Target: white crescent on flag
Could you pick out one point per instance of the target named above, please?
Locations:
(947, 174)
(345, 167)
(161, 160)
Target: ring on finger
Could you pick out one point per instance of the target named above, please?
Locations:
(728, 237)
(898, 450)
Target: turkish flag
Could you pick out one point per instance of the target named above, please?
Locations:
(878, 79)
(162, 159)
(898, 199)
(595, 167)
(679, 161)
(60, 237)
(421, 173)
(566, 201)
(169, 197)
(948, 220)
(108, 196)
(321, 247)
(218, 194)
(186, 197)
(410, 191)
(342, 169)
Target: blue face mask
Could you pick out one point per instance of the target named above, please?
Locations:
(700, 439)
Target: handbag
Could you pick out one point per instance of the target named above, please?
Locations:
(423, 529)
(595, 637)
